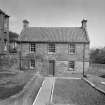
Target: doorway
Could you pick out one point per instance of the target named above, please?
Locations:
(52, 67)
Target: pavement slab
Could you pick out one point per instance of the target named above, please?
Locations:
(97, 82)
(44, 94)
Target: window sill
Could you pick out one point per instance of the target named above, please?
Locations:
(32, 67)
(32, 52)
(71, 69)
(72, 54)
(51, 53)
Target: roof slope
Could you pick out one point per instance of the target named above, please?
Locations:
(54, 34)
(3, 13)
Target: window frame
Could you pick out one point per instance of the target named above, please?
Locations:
(31, 65)
(71, 65)
(5, 44)
(32, 47)
(71, 48)
(6, 23)
(51, 48)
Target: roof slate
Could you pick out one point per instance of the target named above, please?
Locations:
(54, 34)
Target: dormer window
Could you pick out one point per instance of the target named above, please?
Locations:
(71, 48)
(33, 47)
(51, 48)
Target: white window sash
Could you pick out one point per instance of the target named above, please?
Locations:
(51, 48)
(71, 49)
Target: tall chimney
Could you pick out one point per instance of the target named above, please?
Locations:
(25, 24)
(84, 23)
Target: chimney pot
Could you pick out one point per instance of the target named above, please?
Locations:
(25, 24)
(84, 23)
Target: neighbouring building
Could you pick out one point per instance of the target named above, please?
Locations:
(62, 49)
(13, 37)
(4, 33)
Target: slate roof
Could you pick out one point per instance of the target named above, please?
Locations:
(54, 34)
(3, 13)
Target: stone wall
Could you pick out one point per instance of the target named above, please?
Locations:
(61, 67)
(4, 33)
(24, 49)
(61, 52)
(79, 66)
(61, 56)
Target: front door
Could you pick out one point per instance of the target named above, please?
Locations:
(51, 67)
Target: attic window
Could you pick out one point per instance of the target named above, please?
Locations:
(33, 47)
(51, 48)
(71, 48)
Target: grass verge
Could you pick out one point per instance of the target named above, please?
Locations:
(13, 83)
(76, 92)
(27, 95)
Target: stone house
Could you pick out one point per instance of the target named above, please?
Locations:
(64, 49)
(4, 32)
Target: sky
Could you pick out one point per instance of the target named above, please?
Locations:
(58, 13)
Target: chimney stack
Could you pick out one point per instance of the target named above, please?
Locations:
(84, 23)
(25, 24)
